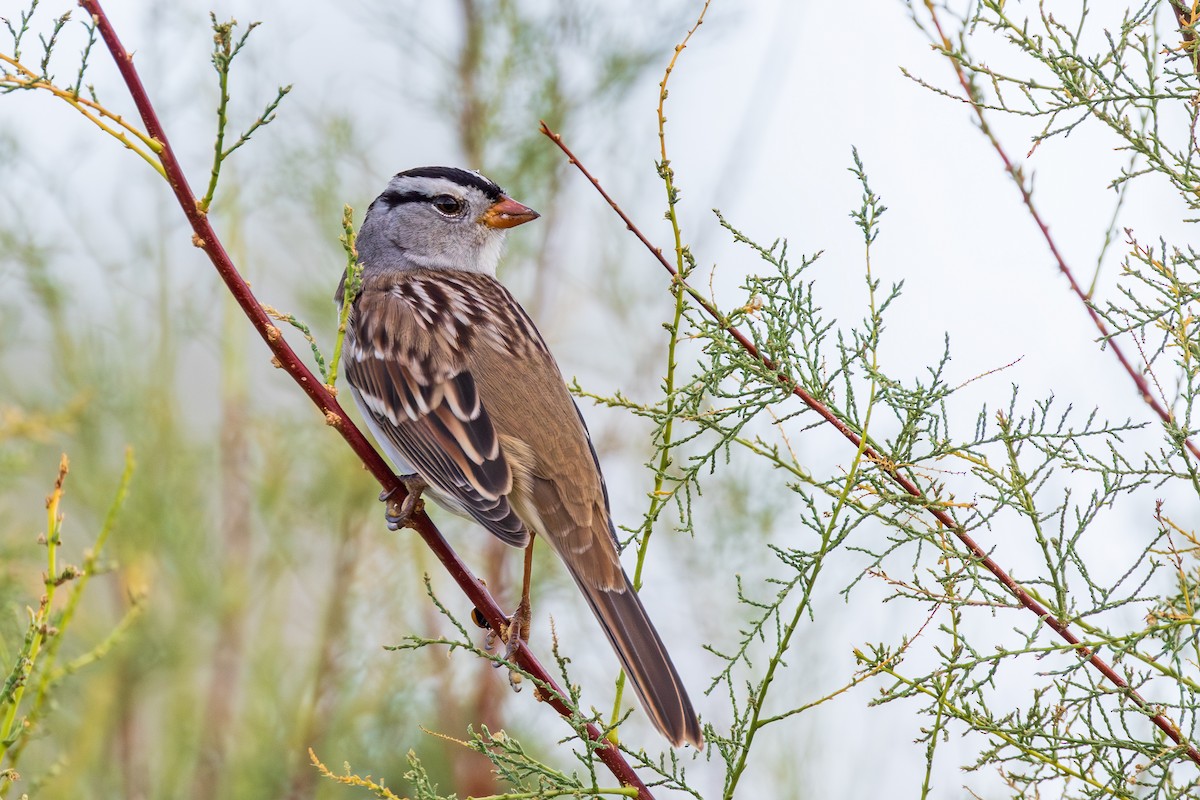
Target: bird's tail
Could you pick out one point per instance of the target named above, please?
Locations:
(645, 661)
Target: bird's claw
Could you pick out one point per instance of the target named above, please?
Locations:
(400, 514)
(516, 632)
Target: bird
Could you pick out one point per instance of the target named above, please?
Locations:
(458, 388)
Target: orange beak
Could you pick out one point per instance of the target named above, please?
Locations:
(507, 213)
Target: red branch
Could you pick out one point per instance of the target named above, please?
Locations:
(1185, 16)
(206, 239)
(905, 483)
(1014, 171)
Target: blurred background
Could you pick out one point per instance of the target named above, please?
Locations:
(268, 581)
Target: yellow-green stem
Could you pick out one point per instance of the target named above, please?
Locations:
(219, 144)
(41, 618)
(350, 291)
(757, 721)
(92, 111)
(664, 461)
(49, 673)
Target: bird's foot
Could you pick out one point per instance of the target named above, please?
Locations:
(516, 633)
(400, 514)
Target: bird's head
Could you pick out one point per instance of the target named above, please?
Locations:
(440, 218)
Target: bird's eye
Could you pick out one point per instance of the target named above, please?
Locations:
(448, 204)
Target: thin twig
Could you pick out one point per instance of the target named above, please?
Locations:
(25, 78)
(1014, 171)
(658, 499)
(901, 480)
(206, 238)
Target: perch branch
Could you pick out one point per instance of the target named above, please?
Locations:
(206, 239)
(904, 482)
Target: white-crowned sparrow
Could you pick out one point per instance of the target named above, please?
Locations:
(461, 392)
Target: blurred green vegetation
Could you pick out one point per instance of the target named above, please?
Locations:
(249, 582)
(269, 583)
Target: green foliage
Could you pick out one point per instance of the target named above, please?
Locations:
(351, 285)
(253, 534)
(1035, 469)
(248, 536)
(36, 664)
(225, 49)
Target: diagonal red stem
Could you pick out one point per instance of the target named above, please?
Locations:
(1014, 171)
(901, 480)
(206, 239)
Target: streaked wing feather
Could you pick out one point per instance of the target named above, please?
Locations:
(565, 497)
(448, 388)
(418, 391)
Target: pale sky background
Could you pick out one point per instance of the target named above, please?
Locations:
(765, 106)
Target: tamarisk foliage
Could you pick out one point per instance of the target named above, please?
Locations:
(1062, 664)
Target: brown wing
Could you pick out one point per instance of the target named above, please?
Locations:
(474, 400)
(559, 492)
(407, 367)
(557, 489)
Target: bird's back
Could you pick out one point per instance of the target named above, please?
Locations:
(557, 485)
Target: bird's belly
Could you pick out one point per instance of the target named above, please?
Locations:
(445, 501)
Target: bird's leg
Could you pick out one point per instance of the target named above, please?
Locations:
(400, 515)
(518, 624)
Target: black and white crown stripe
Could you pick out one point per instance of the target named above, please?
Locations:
(423, 183)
